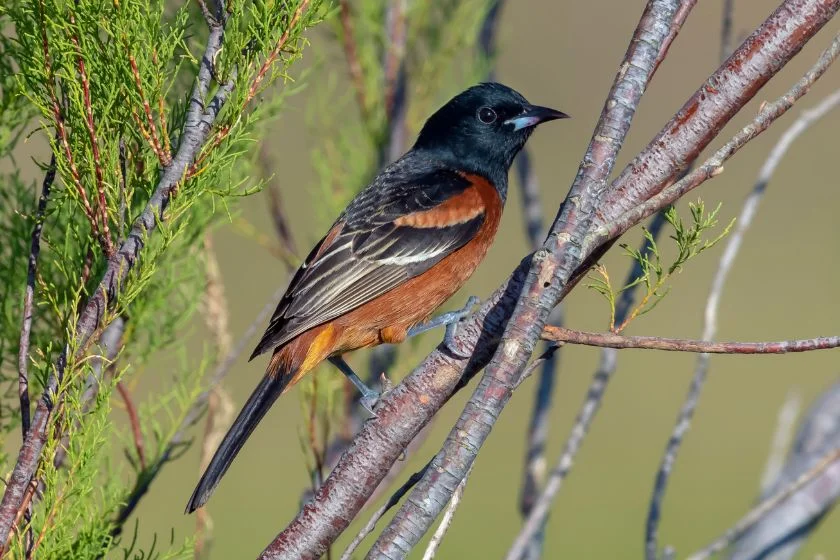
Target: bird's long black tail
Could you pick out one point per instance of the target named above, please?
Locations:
(258, 404)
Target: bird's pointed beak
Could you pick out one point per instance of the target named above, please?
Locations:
(534, 115)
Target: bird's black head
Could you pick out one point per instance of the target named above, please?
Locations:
(482, 129)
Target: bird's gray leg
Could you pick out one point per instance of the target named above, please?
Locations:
(369, 396)
(450, 320)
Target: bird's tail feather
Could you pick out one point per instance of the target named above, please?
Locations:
(258, 404)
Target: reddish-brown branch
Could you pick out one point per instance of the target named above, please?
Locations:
(61, 130)
(134, 421)
(713, 166)
(720, 97)
(610, 340)
(151, 135)
(278, 48)
(102, 202)
(394, 53)
(351, 53)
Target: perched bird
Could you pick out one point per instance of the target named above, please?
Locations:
(401, 248)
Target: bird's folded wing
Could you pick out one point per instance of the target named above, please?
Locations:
(354, 265)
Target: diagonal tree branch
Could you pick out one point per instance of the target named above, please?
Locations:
(551, 269)
(402, 413)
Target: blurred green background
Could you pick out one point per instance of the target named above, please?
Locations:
(565, 54)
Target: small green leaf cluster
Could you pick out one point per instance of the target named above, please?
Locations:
(654, 269)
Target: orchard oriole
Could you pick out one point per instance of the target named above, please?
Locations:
(401, 248)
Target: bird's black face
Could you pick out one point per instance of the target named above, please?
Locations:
(482, 129)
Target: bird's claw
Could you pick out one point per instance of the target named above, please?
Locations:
(452, 328)
(369, 401)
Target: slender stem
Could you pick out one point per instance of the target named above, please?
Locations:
(727, 260)
(612, 340)
(134, 421)
(351, 53)
(29, 294)
(766, 506)
(102, 203)
(782, 436)
(150, 133)
(219, 405)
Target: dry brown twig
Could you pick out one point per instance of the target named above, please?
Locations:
(612, 340)
(219, 404)
(134, 422)
(102, 203)
(351, 54)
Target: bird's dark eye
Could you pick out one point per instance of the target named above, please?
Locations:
(486, 115)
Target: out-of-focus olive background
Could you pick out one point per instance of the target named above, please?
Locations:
(565, 54)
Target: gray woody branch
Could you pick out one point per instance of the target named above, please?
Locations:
(783, 530)
(402, 413)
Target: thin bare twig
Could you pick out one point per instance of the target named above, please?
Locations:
(611, 340)
(395, 82)
(448, 515)
(351, 54)
(29, 294)
(134, 421)
(782, 436)
(765, 507)
(785, 529)
(394, 65)
(743, 223)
